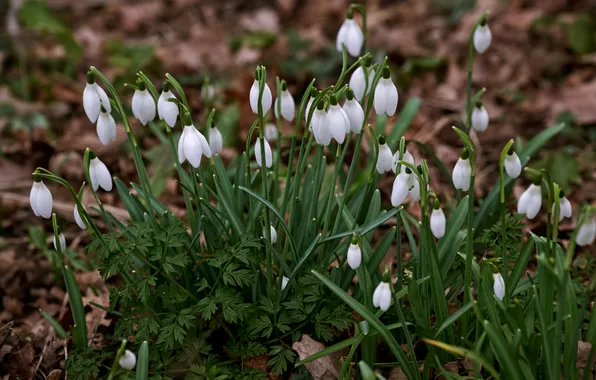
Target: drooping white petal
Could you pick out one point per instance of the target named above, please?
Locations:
(479, 119)
(254, 98)
(143, 106)
(41, 200)
(385, 160)
(192, 147)
(181, 155)
(359, 85)
(273, 233)
(338, 123)
(482, 38)
(106, 128)
(437, 223)
(407, 158)
(392, 97)
(414, 188)
(355, 115)
(354, 256)
(62, 242)
(401, 186)
(307, 111)
(78, 219)
(385, 297)
(377, 295)
(100, 175)
(166, 110)
(350, 35)
(461, 174)
(270, 132)
(565, 210)
(587, 232)
(268, 153)
(512, 165)
(499, 286)
(215, 141)
(288, 106)
(320, 127)
(206, 149)
(93, 98)
(128, 360)
(284, 282)
(530, 201)
(33, 197)
(380, 101)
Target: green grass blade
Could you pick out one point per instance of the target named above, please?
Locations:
(503, 351)
(520, 265)
(79, 334)
(460, 351)
(449, 243)
(454, 317)
(143, 362)
(54, 323)
(133, 206)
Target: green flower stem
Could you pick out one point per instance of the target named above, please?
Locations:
(404, 324)
(470, 70)
(332, 188)
(504, 255)
(86, 163)
(276, 163)
(138, 159)
(116, 359)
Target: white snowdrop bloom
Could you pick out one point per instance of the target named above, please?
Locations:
(479, 118)
(192, 145)
(385, 160)
(313, 94)
(530, 201)
(499, 286)
(414, 187)
(99, 175)
(587, 232)
(41, 199)
(143, 105)
(401, 187)
(166, 110)
(268, 153)
(350, 35)
(207, 91)
(565, 209)
(437, 223)
(106, 127)
(78, 219)
(382, 296)
(286, 103)
(128, 360)
(270, 132)
(254, 98)
(385, 101)
(62, 240)
(215, 140)
(338, 122)
(407, 158)
(354, 112)
(462, 172)
(284, 282)
(93, 98)
(354, 254)
(273, 233)
(513, 166)
(320, 126)
(482, 38)
(358, 84)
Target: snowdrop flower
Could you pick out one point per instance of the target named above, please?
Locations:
(354, 112)
(192, 144)
(207, 91)
(271, 132)
(350, 35)
(499, 286)
(62, 241)
(99, 175)
(268, 154)
(407, 158)
(385, 95)
(40, 198)
(479, 118)
(78, 219)
(284, 282)
(166, 110)
(462, 172)
(385, 160)
(266, 99)
(273, 233)
(382, 295)
(512, 164)
(320, 125)
(313, 94)
(358, 84)
(215, 140)
(287, 106)
(482, 37)
(338, 121)
(93, 98)
(354, 254)
(128, 360)
(437, 220)
(530, 201)
(401, 187)
(106, 127)
(414, 187)
(565, 210)
(587, 232)
(143, 105)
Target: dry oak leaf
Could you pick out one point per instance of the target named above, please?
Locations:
(323, 368)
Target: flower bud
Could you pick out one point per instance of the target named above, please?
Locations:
(99, 175)
(338, 121)
(587, 232)
(359, 85)
(354, 254)
(41, 199)
(106, 127)
(530, 201)
(93, 98)
(401, 187)
(385, 159)
(499, 286)
(254, 98)
(382, 296)
(462, 173)
(320, 125)
(166, 110)
(565, 209)
(270, 132)
(512, 164)
(284, 282)
(385, 101)
(215, 140)
(482, 38)
(77, 218)
(350, 35)
(355, 113)
(288, 107)
(268, 153)
(143, 105)
(62, 241)
(128, 360)
(479, 118)
(437, 221)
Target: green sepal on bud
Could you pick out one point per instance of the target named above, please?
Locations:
(314, 92)
(90, 77)
(333, 100)
(36, 177)
(367, 60)
(186, 119)
(320, 105)
(355, 239)
(387, 275)
(349, 94)
(166, 86)
(386, 72)
(102, 109)
(284, 85)
(536, 179)
(141, 85)
(436, 204)
(484, 20)
(478, 104)
(350, 14)
(382, 139)
(408, 171)
(92, 154)
(561, 194)
(465, 154)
